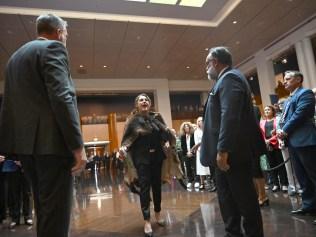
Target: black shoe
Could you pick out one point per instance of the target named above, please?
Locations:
(212, 189)
(302, 212)
(148, 234)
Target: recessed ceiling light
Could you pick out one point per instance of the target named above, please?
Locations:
(105, 66)
(138, 37)
(192, 3)
(284, 61)
(148, 66)
(206, 49)
(167, 2)
(187, 67)
(81, 66)
(237, 42)
(235, 22)
(251, 78)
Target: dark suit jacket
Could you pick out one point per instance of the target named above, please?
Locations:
(299, 119)
(184, 144)
(39, 112)
(229, 123)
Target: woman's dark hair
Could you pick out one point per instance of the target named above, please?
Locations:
(136, 101)
(272, 109)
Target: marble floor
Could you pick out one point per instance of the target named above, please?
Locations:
(103, 206)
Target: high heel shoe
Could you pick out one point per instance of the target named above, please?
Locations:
(148, 230)
(149, 234)
(266, 202)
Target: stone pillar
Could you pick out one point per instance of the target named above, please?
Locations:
(266, 77)
(306, 62)
(162, 103)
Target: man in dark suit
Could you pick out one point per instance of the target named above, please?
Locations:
(229, 126)
(298, 128)
(2, 192)
(39, 122)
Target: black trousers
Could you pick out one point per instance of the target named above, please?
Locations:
(19, 195)
(304, 163)
(190, 163)
(238, 198)
(2, 196)
(51, 182)
(149, 176)
(275, 158)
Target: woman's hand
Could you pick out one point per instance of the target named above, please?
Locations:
(122, 152)
(267, 142)
(189, 154)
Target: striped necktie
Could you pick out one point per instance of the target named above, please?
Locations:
(286, 108)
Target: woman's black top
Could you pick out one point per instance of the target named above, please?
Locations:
(268, 128)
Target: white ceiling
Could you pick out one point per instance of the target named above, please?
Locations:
(176, 52)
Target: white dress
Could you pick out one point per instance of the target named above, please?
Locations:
(200, 169)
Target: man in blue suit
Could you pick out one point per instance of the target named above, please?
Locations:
(298, 128)
(229, 129)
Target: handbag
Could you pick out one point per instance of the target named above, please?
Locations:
(264, 163)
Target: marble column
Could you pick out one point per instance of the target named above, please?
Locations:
(306, 61)
(266, 77)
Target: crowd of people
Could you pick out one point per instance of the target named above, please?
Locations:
(43, 147)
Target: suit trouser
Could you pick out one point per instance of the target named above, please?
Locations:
(238, 198)
(51, 181)
(149, 176)
(305, 169)
(2, 196)
(19, 192)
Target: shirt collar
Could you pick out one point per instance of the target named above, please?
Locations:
(41, 38)
(293, 92)
(223, 70)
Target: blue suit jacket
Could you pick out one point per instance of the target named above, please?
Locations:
(229, 122)
(299, 119)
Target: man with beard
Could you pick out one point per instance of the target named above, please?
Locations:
(229, 128)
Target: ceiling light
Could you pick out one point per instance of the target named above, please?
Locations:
(206, 49)
(81, 66)
(187, 67)
(284, 61)
(251, 78)
(192, 3)
(237, 42)
(235, 22)
(138, 37)
(167, 2)
(105, 66)
(148, 66)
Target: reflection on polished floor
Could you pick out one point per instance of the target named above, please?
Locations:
(103, 206)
